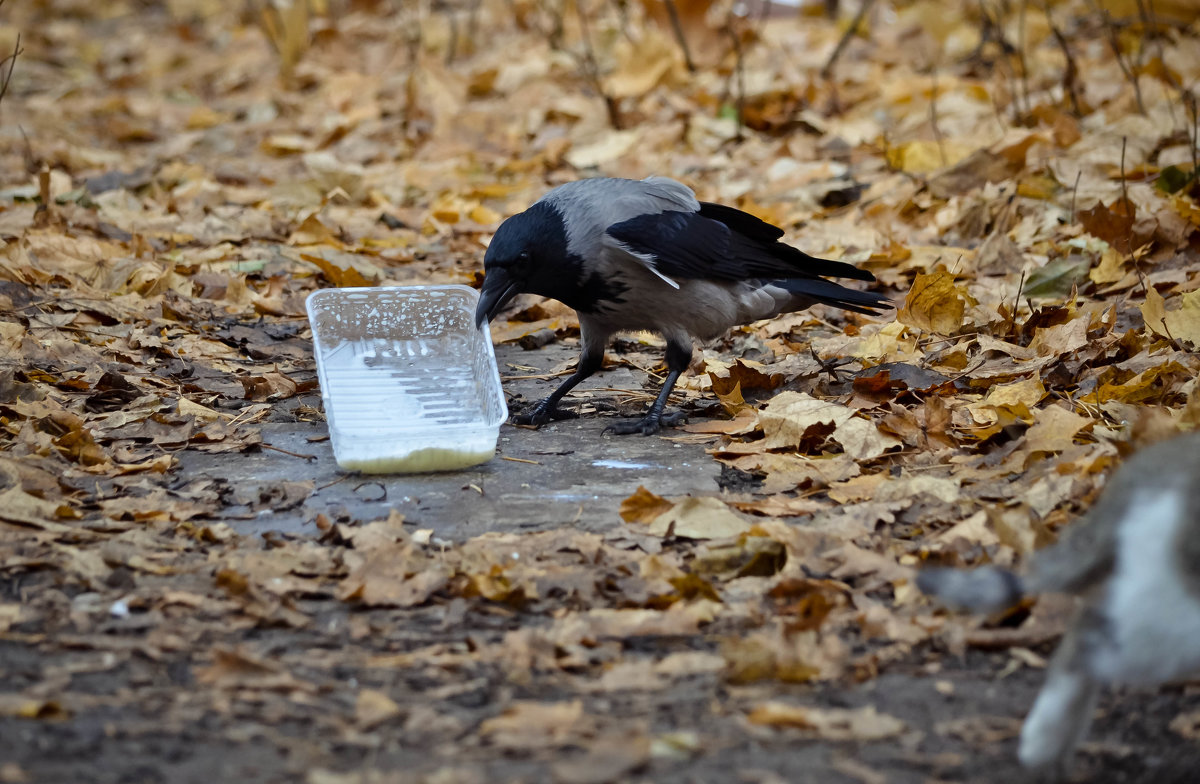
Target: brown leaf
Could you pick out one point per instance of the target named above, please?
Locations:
(338, 276)
(238, 668)
(269, 386)
(372, 708)
(791, 416)
(1054, 430)
(528, 725)
(837, 724)
(643, 506)
(1062, 338)
(980, 731)
(22, 707)
(1112, 224)
(607, 759)
(934, 304)
(1180, 324)
(783, 656)
(1187, 725)
(699, 518)
(313, 232)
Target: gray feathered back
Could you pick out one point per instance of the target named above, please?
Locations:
(590, 206)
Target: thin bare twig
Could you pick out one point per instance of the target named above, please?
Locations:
(1124, 190)
(1023, 81)
(1070, 78)
(452, 44)
(1189, 102)
(1074, 193)
(473, 19)
(739, 75)
(302, 456)
(591, 69)
(851, 31)
(554, 36)
(1150, 23)
(933, 118)
(1012, 317)
(11, 62)
(677, 28)
(1114, 43)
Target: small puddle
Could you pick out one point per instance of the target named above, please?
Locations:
(619, 464)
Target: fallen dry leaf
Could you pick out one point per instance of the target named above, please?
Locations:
(840, 724)
(372, 708)
(174, 535)
(699, 518)
(790, 417)
(934, 304)
(643, 506)
(533, 725)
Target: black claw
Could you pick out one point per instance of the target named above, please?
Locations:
(541, 413)
(673, 418)
(647, 425)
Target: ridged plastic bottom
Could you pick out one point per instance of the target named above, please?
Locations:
(409, 383)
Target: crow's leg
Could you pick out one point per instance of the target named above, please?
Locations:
(679, 355)
(590, 361)
(547, 408)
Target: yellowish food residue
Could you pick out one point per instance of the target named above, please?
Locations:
(420, 461)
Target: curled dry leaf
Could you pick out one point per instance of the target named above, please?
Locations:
(534, 725)
(791, 418)
(1182, 323)
(372, 708)
(841, 724)
(704, 517)
(934, 304)
(1187, 725)
(643, 506)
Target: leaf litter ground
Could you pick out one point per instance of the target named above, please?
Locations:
(189, 588)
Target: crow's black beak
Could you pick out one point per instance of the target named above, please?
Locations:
(498, 290)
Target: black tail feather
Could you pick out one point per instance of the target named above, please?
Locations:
(831, 293)
(755, 243)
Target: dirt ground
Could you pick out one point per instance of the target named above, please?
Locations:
(138, 699)
(190, 589)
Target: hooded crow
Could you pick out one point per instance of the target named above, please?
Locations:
(646, 255)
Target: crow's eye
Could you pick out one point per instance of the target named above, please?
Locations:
(523, 255)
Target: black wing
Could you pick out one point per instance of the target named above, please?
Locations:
(723, 243)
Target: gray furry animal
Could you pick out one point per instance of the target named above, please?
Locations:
(1135, 558)
(647, 255)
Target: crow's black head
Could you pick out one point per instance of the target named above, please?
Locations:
(527, 254)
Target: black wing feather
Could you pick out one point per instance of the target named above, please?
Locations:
(722, 243)
(741, 222)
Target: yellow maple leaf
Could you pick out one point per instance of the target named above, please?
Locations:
(1110, 269)
(1181, 324)
(934, 304)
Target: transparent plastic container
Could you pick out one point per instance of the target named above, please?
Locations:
(409, 384)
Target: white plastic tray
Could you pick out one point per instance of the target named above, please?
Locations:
(409, 384)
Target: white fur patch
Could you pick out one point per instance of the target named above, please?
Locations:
(1153, 629)
(1058, 720)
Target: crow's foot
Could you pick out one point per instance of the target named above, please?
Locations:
(542, 412)
(647, 425)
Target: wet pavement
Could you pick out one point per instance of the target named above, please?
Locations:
(567, 472)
